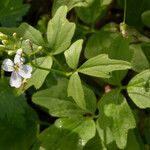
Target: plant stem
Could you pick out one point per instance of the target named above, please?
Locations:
(125, 9)
(66, 74)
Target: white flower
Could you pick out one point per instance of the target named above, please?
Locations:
(18, 69)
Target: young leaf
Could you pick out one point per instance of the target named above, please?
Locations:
(101, 66)
(139, 89)
(75, 90)
(18, 122)
(28, 32)
(115, 119)
(39, 75)
(72, 55)
(59, 31)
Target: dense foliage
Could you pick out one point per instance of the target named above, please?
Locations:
(75, 75)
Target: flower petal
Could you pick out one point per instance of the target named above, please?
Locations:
(19, 51)
(25, 71)
(8, 65)
(18, 59)
(15, 80)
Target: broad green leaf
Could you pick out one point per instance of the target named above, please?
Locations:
(84, 127)
(56, 101)
(59, 31)
(11, 12)
(139, 89)
(75, 90)
(101, 66)
(95, 10)
(72, 54)
(54, 138)
(75, 133)
(18, 122)
(139, 60)
(70, 4)
(28, 32)
(39, 75)
(115, 119)
(146, 18)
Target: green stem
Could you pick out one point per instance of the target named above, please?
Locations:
(66, 74)
(125, 9)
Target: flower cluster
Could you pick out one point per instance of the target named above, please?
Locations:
(19, 71)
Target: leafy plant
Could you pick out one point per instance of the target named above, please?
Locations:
(81, 85)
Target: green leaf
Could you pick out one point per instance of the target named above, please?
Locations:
(50, 139)
(98, 42)
(112, 43)
(56, 101)
(134, 142)
(70, 4)
(75, 90)
(11, 12)
(119, 49)
(139, 60)
(75, 132)
(115, 119)
(139, 89)
(101, 66)
(59, 31)
(72, 55)
(95, 10)
(84, 127)
(93, 144)
(90, 99)
(28, 32)
(146, 18)
(145, 47)
(39, 75)
(18, 122)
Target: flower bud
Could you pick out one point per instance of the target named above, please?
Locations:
(40, 48)
(123, 29)
(10, 52)
(15, 35)
(3, 36)
(5, 42)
